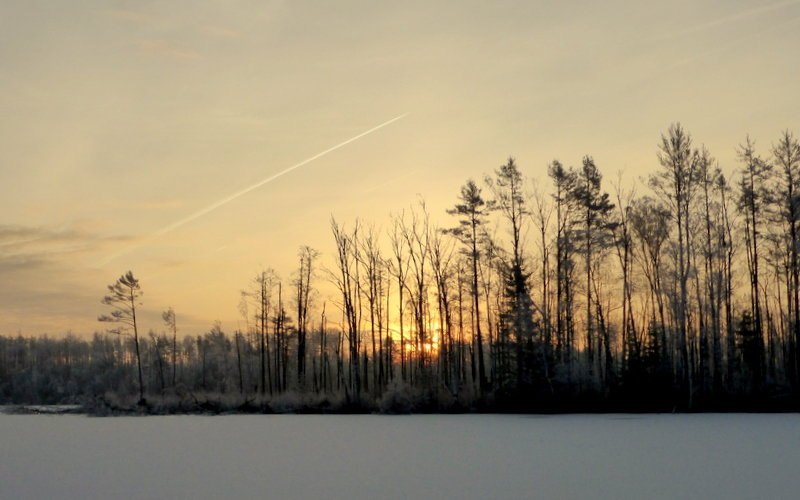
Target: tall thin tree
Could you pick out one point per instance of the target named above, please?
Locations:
(123, 297)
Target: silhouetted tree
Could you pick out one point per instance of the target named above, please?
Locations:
(676, 185)
(302, 298)
(754, 196)
(564, 181)
(346, 281)
(123, 297)
(509, 200)
(399, 268)
(472, 213)
(787, 200)
(593, 235)
(169, 319)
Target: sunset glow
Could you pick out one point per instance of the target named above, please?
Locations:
(122, 122)
(418, 249)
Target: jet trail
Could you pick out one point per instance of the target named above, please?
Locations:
(230, 198)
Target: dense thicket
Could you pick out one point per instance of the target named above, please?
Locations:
(582, 298)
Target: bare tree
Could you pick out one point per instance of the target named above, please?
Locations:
(260, 293)
(416, 233)
(787, 160)
(346, 281)
(650, 229)
(676, 185)
(123, 297)
(754, 197)
(541, 217)
(509, 200)
(593, 234)
(710, 317)
(564, 182)
(623, 243)
(303, 296)
(472, 213)
(400, 268)
(442, 267)
(370, 257)
(169, 319)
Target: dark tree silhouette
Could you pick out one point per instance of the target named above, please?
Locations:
(302, 298)
(701, 313)
(787, 200)
(754, 197)
(592, 234)
(123, 298)
(169, 320)
(509, 200)
(676, 185)
(472, 215)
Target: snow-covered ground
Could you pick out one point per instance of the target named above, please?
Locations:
(43, 409)
(420, 456)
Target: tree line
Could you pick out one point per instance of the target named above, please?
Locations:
(572, 297)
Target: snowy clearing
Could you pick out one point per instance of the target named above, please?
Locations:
(420, 456)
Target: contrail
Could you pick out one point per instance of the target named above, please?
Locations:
(230, 198)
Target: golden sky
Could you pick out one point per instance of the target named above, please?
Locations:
(120, 119)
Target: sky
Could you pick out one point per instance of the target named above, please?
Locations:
(139, 135)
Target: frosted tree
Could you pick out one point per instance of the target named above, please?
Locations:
(169, 320)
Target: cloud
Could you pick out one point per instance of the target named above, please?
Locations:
(753, 35)
(731, 18)
(25, 240)
(220, 32)
(31, 247)
(128, 15)
(389, 182)
(45, 287)
(157, 46)
(745, 14)
(161, 204)
(165, 48)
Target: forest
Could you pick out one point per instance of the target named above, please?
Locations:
(578, 295)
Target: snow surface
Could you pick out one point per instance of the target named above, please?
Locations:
(418, 456)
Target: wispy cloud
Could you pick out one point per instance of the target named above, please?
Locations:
(128, 15)
(44, 290)
(745, 14)
(165, 48)
(389, 182)
(28, 246)
(645, 79)
(733, 44)
(160, 204)
(220, 32)
(15, 238)
(721, 21)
